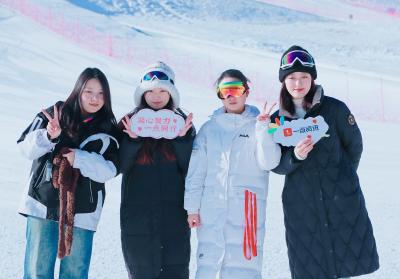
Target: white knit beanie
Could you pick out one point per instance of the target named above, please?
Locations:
(146, 85)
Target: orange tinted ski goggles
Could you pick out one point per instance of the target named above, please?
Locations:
(234, 89)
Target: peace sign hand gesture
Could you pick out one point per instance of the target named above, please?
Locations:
(53, 126)
(265, 115)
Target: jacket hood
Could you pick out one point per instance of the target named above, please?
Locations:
(317, 99)
(231, 121)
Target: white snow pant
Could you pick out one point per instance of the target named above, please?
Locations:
(220, 242)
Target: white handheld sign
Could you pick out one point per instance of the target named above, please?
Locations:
(157, 124)
(289, 133)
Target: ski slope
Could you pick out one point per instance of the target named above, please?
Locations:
(39, 66)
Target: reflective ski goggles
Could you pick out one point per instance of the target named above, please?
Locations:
(156, 75)
(297, 55)
(234, 89)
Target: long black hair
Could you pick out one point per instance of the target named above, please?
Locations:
(233, 73)
(287, 100)
(71, 113)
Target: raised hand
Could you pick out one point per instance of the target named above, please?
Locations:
(265, 115)
(188, 125)
(193, 220)
(126, 121)
(53, 127)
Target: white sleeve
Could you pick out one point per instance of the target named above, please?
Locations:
(94, 166)
(268, 152)
(298, 157)
(36, 144)
(196, 175)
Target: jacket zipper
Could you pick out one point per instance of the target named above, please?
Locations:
(91, 192)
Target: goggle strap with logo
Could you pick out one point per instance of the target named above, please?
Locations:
(230, 84)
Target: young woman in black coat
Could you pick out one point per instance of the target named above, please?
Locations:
(155, 235)
(328, 231)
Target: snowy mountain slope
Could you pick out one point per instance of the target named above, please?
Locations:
(328, 33)
(38, 67)
(343, 10)
(143, 41)
(235, 11)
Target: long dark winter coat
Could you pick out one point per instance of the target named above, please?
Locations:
(154, 231)
(328, 231)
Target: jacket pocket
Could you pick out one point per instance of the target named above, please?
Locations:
(136, 219)
(44, 174)
(301, 218)
(45, 193)
(237, 201)
(86, 195)
(344, 211)
(42, 188)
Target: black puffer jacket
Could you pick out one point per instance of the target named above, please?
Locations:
(154, 231)
(328, 231)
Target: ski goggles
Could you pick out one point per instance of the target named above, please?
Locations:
(234, 89)
(150, 76)
(297, 55)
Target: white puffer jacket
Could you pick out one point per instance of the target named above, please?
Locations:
(231, 153)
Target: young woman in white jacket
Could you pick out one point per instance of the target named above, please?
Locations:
(227, 184)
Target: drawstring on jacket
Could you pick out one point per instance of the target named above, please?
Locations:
(250, 230)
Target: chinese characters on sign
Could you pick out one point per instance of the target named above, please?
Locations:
(289, 133)
(157, 124)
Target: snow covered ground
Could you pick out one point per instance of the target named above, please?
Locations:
(200, 39)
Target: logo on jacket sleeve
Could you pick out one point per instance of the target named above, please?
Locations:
(351, 120)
